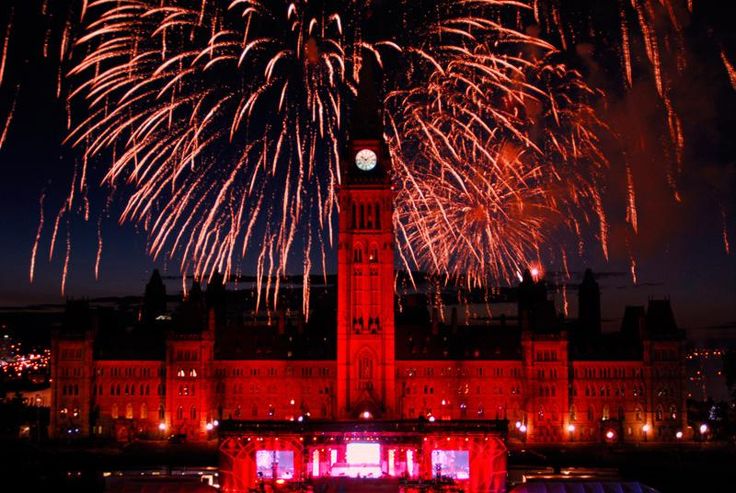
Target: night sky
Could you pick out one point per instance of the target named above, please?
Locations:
(679, 251)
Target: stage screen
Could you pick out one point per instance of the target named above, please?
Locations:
(453, 463)
(363, 453)
(265, 459)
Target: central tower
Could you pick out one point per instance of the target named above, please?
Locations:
(365, 300)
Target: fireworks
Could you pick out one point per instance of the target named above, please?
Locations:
(221, 125)
(492, 156)
(227, 121)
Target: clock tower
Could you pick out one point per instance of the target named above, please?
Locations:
(365, 326)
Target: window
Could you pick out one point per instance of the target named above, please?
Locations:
(373, 258)
(129, 411)
(193, 413)
(114, 411)
(144, 411)
(180, 413)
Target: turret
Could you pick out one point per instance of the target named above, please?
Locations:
(589, 306)
(154, 298)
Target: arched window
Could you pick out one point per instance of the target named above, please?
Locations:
(180, 413)
(362, 217)
(373, 258)
(378, 216)
(606, 413)
(365, 368)
(358, 254)
(369, 217)
(161, 412)
(638, 413)
(193, 413)
(129, 411)
(144, 411)
(114, 411)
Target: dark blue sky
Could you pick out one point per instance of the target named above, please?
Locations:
(679, 249)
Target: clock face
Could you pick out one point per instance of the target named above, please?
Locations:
(366, 159)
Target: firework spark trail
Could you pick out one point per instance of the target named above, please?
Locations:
(34, 252)
(631, 214)
(98, 256)
(67, 257)
(724, 229)
(9, 119)
(6, 43)
(726, 63)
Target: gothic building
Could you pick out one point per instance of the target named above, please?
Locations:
(212, 364)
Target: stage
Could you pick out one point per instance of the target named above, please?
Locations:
(452, 455)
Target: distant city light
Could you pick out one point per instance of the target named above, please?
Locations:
(678, 435)
(703, 429)
(610, 434)
(162, 426)
(571, 428)
(522, 428)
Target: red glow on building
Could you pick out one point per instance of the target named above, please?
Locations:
(418, 399)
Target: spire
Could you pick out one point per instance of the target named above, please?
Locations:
(154, 298)
(367, 117)
(589, 305)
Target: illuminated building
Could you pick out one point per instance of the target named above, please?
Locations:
(362, 387)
